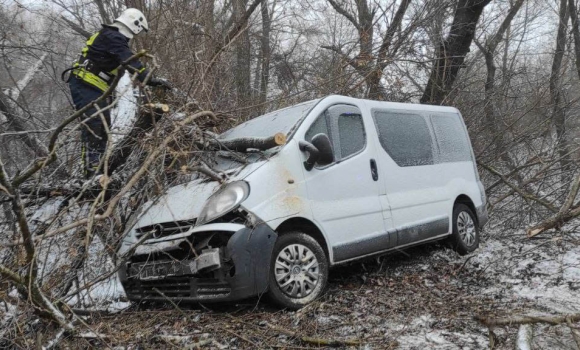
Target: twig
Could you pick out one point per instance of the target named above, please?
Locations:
(54, 340)
(312, 340)
(241, 337)
(51, 157)
(170, 301)
(204, 169)
(516, 320)
(575, 332)
(521, 192)
(129, 184)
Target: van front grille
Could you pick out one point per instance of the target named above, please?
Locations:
(165, 229)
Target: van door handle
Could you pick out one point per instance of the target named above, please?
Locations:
(374, 171)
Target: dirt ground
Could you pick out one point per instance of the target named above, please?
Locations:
(422, 298)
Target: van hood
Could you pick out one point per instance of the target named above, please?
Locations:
(185, 201)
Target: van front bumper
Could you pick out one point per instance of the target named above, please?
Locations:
(243, 272)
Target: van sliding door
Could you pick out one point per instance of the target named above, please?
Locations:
(415, 187)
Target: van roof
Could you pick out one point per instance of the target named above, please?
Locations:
(392, 105)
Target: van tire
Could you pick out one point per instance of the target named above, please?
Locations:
(297, 245)
(464, 238)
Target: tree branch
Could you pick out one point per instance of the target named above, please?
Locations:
(516, 320)
(391, 30)
(80, 30)
(51, 157)
(345, 13)
(498, 36)
(521, 192)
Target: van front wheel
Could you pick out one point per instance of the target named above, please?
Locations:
(298, 271)
(465, 236)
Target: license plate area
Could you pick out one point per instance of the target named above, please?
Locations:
(208, 260)
(159, 270)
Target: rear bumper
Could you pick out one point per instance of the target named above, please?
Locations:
(244, 273)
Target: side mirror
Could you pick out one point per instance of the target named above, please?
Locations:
(322, 143)
(319, 151)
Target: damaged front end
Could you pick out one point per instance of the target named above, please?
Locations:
(209, 263)
(197, 243)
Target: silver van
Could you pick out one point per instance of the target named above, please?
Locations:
(355, 178)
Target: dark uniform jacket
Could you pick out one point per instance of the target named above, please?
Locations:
(105, 51)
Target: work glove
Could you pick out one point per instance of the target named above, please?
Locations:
(160, 82)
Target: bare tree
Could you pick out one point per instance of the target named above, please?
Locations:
(452, 51)
(371, 63)
(558, 112)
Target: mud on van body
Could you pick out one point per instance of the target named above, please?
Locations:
(355, 178)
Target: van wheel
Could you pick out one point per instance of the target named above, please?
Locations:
(298, 271)
(465, 236)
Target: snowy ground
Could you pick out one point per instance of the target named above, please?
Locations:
(424, 298)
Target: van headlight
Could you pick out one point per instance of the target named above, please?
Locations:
(223, 201)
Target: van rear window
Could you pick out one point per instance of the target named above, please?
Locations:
(405, 137)
(451, 138)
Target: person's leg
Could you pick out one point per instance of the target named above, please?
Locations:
(93, 132)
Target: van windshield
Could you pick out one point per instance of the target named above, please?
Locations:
(283, 120)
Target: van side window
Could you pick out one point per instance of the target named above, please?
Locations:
(405, 137)
(344, 126)
(351, 131)
(320, 126)
(451, 139)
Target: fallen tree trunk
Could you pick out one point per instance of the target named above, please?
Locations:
(565, 214)
(525, 332)
(245, 143)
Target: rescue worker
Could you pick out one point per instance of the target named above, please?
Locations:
(95, 70)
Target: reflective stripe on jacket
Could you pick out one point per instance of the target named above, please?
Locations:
(105, 51)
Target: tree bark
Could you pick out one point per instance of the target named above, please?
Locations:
(104, 15)
(265, 71)
(77, 28)
(368, 65)
(376, 89)
(453, 50)
(9, 107)
(558, 113)
(493, 121)
(489, 51)
(576, 33)
(245, 143)
(16, 124)
(243, 55)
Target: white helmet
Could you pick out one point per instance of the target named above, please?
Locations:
(134, 20)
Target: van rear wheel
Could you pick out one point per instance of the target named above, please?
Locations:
(298, 271)
(465, 236)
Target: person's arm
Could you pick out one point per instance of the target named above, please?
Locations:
(120, 49)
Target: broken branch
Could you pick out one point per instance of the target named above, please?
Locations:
(312, 340)
(516, 320)
(242, 144)
(204, 169)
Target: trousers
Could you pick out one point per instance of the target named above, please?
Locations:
(94, 131)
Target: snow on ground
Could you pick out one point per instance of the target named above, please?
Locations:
(546, 271)
(105, 295)
(424, 298)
